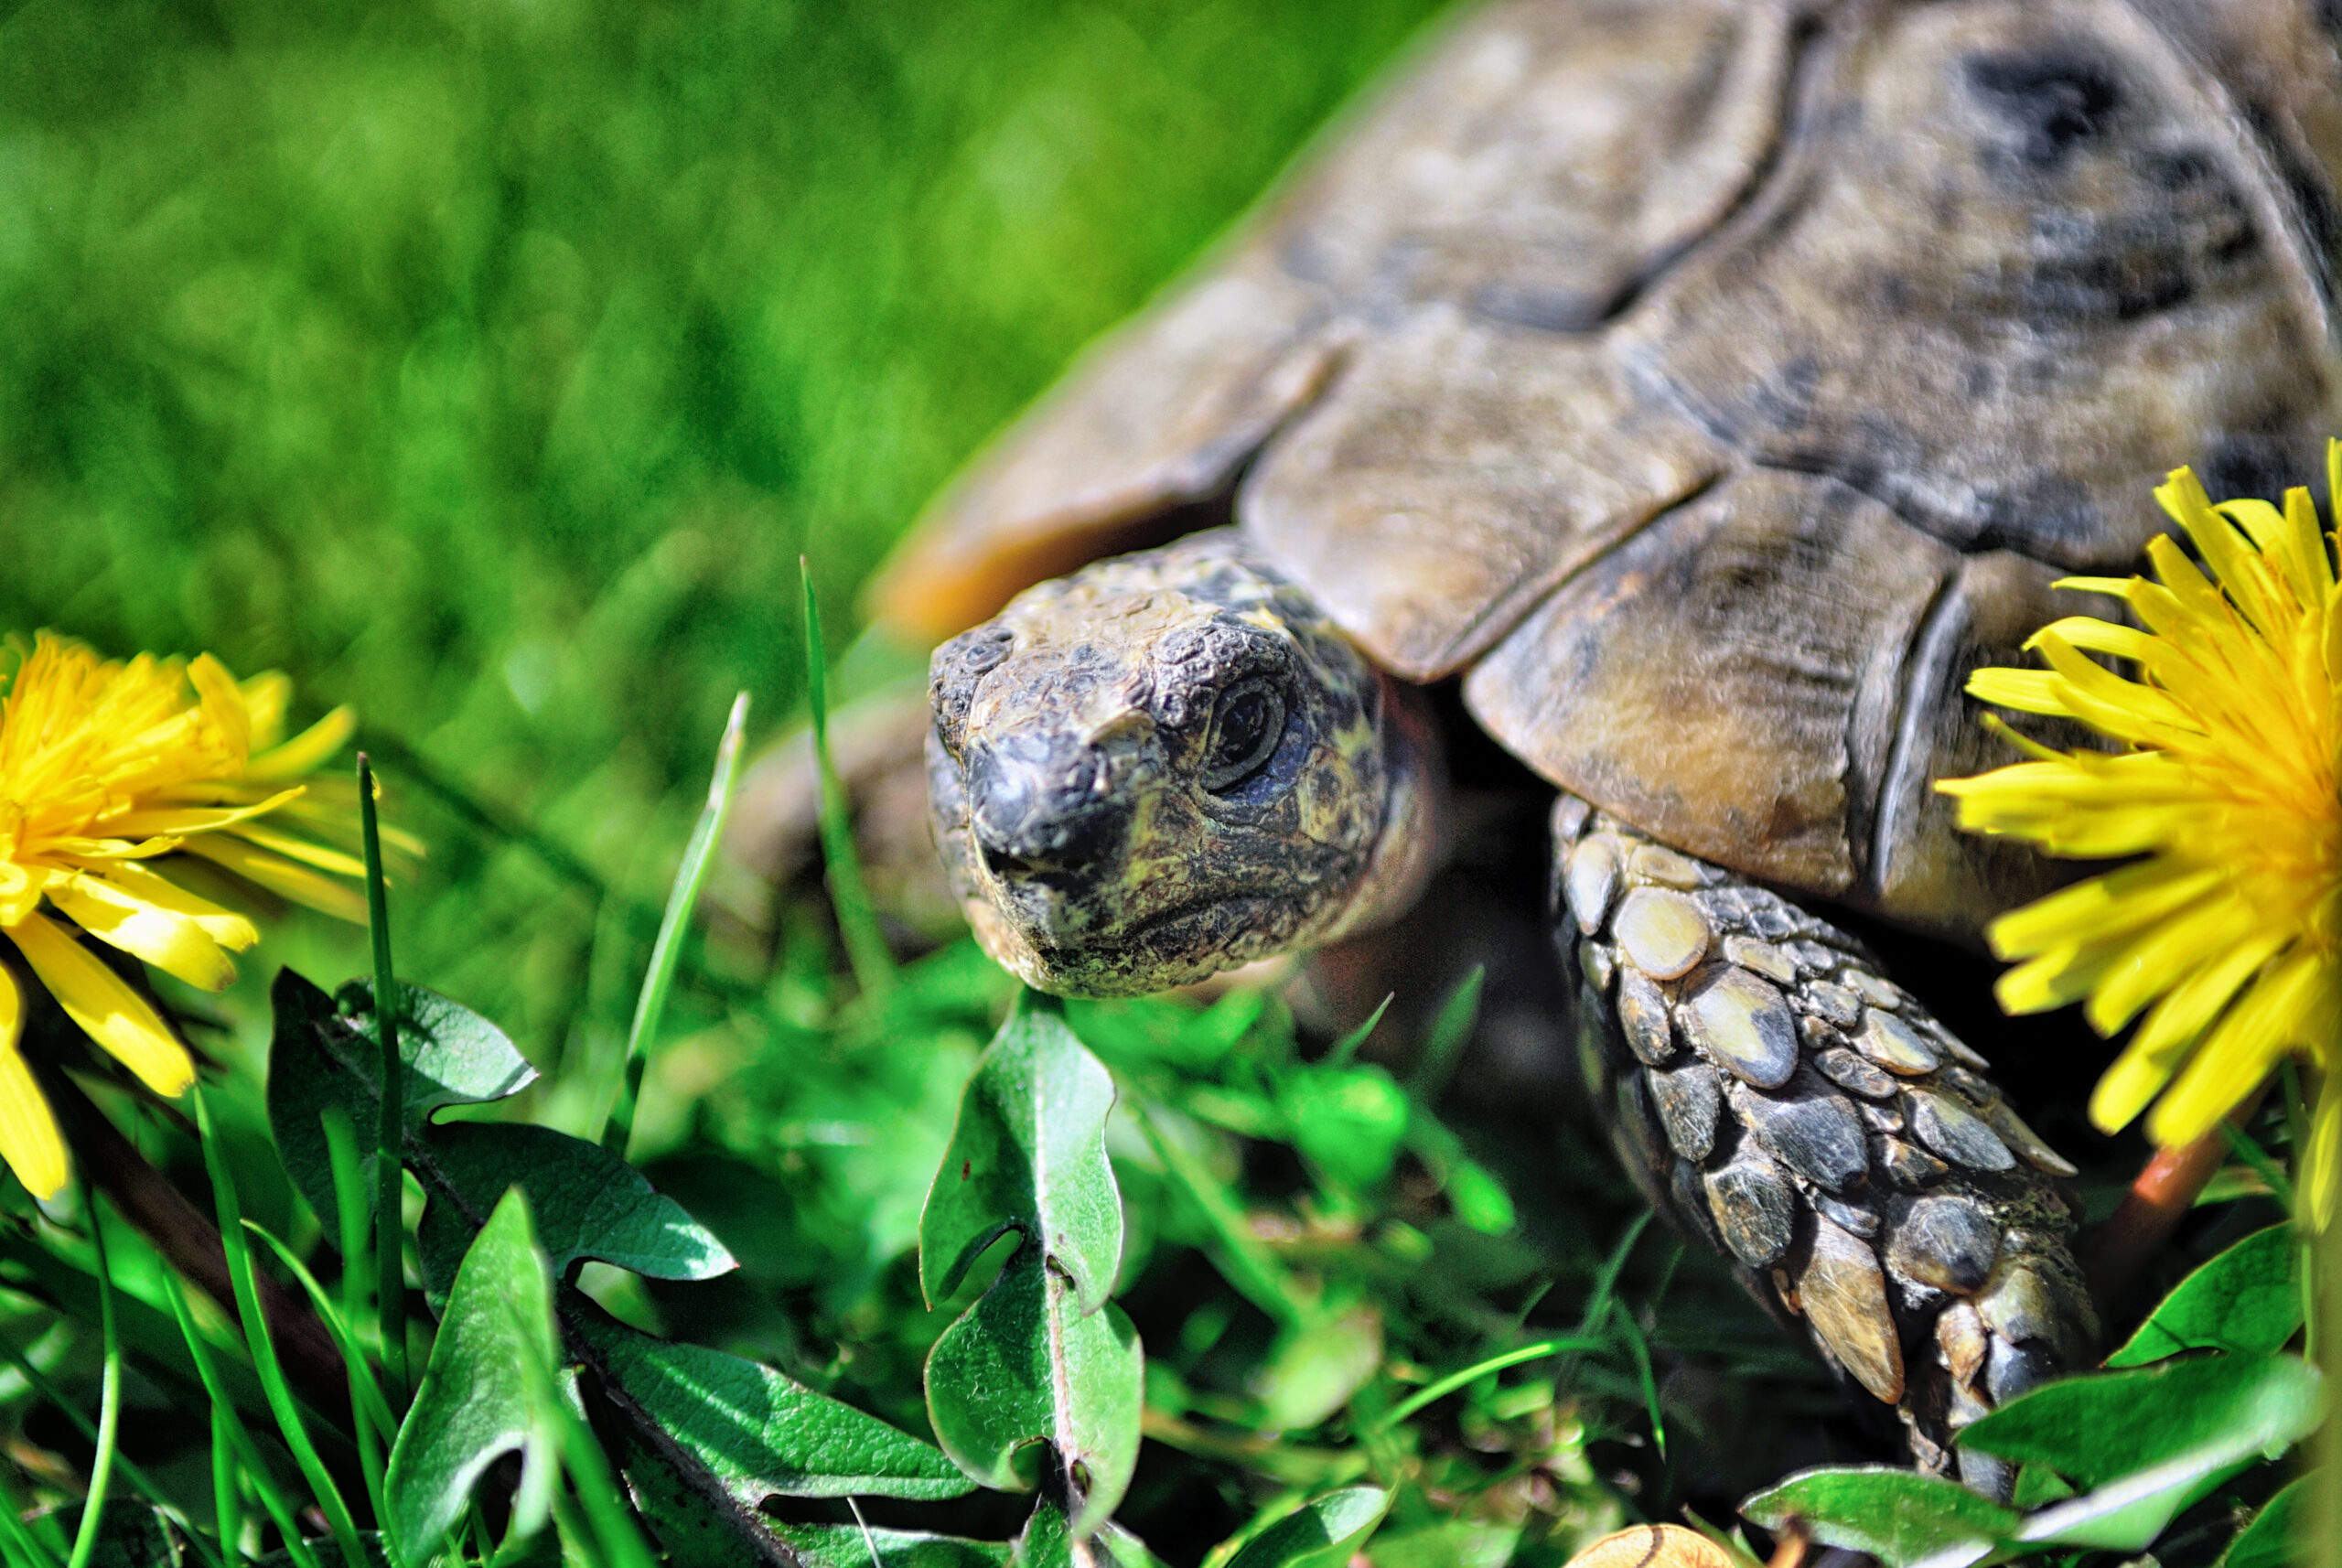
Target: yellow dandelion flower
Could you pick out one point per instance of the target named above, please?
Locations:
(124, 788)
(2226, 933)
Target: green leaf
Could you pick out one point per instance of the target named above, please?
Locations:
(1028, 1155)
(586, 1203)
(2248, 1299)
(1022, 1366)
(1348, 1121)
(1046, 1541)
(2269, 1540)
(490, 1388)
(1321, 1533)
(762, 1434)
(1898, 1516)
(324, 1054)
(848, 1546)
(2100, 1427)
(2149, 1443)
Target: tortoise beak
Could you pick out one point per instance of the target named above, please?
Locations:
(1043, 806)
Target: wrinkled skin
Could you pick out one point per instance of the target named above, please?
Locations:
(1169, 765)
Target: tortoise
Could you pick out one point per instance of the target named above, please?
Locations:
(1704, 388)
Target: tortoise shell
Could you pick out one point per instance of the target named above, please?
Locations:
(1712, 384)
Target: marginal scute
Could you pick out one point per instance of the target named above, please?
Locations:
(1728, 678)
(1662, 933)
(1845, 1299)
(1742, 1025)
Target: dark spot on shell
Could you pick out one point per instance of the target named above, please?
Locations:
(2054, 99)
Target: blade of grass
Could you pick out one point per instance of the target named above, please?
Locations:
(375, 1424)
(1446, 1039)
(1447, 1385)
(289, 1424)
(223, 1414)
(93, 1506)
(699, 853)
(43, 1385)
(621, 1544)
(1243, 1262)
(389, 1266)
(866, 948)
(1346, 1047)
(227, 1499)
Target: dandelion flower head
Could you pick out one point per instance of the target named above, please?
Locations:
(126, 787)
(2226, 932)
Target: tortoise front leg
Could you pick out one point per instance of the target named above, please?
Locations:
(1779, 1098)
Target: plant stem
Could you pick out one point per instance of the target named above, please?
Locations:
(93, 1507)
(390, 1263)
(223, 1414)
(699, 854)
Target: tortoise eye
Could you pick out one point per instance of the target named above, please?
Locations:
(1245, 730)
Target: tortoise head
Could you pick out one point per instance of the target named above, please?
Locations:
(1168, 765)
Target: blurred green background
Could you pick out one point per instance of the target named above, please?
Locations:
(489, 365)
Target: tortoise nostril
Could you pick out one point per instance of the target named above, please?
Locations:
(1035, 814)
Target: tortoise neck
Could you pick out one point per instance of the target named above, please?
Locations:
(1414, 840)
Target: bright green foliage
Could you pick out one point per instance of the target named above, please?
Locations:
(2150, 1441)
(763, 1434)
(1041, 1356)
(847, 1546)
(2248, 1299)
(1028, 1155)
(493, 1388)
(586, 1202)
(324, 1054)
(1896, 1515)
(1321, 1533)
(1350, 1120)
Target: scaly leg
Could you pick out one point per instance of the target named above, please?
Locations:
(1777, 1096)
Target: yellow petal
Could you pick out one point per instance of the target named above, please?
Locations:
(2315, 1183)
(302, 850)
(281, 877)
(109, 1012)
(29, 1141)
(225, 926)
(2239, 1053)
(192, 819)
(266, 696)
(306, 751)
(173, 942)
